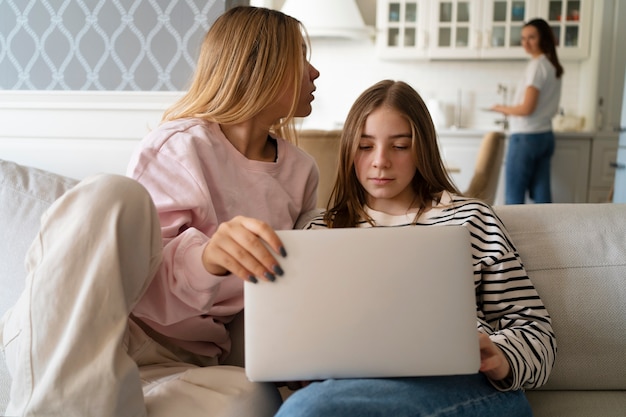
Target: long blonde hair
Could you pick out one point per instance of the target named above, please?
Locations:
(247, 58)
(346, 206)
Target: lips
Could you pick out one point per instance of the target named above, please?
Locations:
(381, 181)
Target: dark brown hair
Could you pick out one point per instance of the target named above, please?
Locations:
(547, 43)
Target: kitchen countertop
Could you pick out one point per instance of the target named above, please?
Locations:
(463, 132)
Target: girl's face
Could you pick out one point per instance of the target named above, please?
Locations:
(384, 161)
(530, 40)
(307, 87)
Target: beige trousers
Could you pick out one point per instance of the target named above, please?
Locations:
(69, 344)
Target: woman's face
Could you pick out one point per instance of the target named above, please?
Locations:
(530, 40)
(384, 162)
(307, 87)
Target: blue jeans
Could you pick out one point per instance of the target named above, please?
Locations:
(463, 395)
(528, 167)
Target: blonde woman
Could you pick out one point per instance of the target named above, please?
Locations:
(132, 282)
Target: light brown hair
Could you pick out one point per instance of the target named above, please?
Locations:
(348, 198)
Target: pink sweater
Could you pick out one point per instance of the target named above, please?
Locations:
(197, 180)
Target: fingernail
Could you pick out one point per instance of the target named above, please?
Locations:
(269, 276)
(283, 252)
(278, 270)
(252, 279)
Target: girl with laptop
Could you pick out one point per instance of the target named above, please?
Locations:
(391, 174)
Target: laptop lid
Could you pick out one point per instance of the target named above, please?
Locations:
(365, 302)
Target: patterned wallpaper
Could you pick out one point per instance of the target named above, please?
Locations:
(145, 45)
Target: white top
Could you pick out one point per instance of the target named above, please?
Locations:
(541, 74)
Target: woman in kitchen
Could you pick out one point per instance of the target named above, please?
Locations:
(132, 282)
(536, 102)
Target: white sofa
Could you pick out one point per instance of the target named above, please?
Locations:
(575, 254)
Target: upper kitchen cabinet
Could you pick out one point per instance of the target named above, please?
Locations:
(455, 29)
(502, 28)
(402, 29)
(477, 29)
(570, 21)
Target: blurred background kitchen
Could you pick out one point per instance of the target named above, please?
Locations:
(81, 57)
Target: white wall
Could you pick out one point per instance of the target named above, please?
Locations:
(77, 133)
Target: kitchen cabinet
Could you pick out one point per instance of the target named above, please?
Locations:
(570, 21)
(611, 78)
(575, 173)
(619, 195)
(502, 28)
(452, 29)
(477, 29)
(459, 150)
(583, 166)
(602, 168)
(570, 168)
(455, 29)
(403, 29)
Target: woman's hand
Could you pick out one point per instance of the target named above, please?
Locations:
(493, 363)
(237, 247)
(498, 108)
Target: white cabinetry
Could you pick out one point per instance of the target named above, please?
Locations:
(502, 28)
(570, 169)
(459, 150)
(403, 29)
(478, 28)
(612, 67)
(602, 168)
(570, 21)
(577, 172)
(471, 29)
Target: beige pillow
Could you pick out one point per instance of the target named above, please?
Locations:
(25, 193)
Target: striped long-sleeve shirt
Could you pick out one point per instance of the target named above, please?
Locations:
(508, 307)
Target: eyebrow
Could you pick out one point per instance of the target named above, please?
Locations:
(397, 136)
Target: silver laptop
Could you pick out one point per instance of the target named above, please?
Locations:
(359, 303)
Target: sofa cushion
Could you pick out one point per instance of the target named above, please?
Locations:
(577, 403)
(575, 254)
(25, 193)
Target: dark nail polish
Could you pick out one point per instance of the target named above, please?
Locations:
(270, 276)
(278, 270)
(252, 279)
(283, 252)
